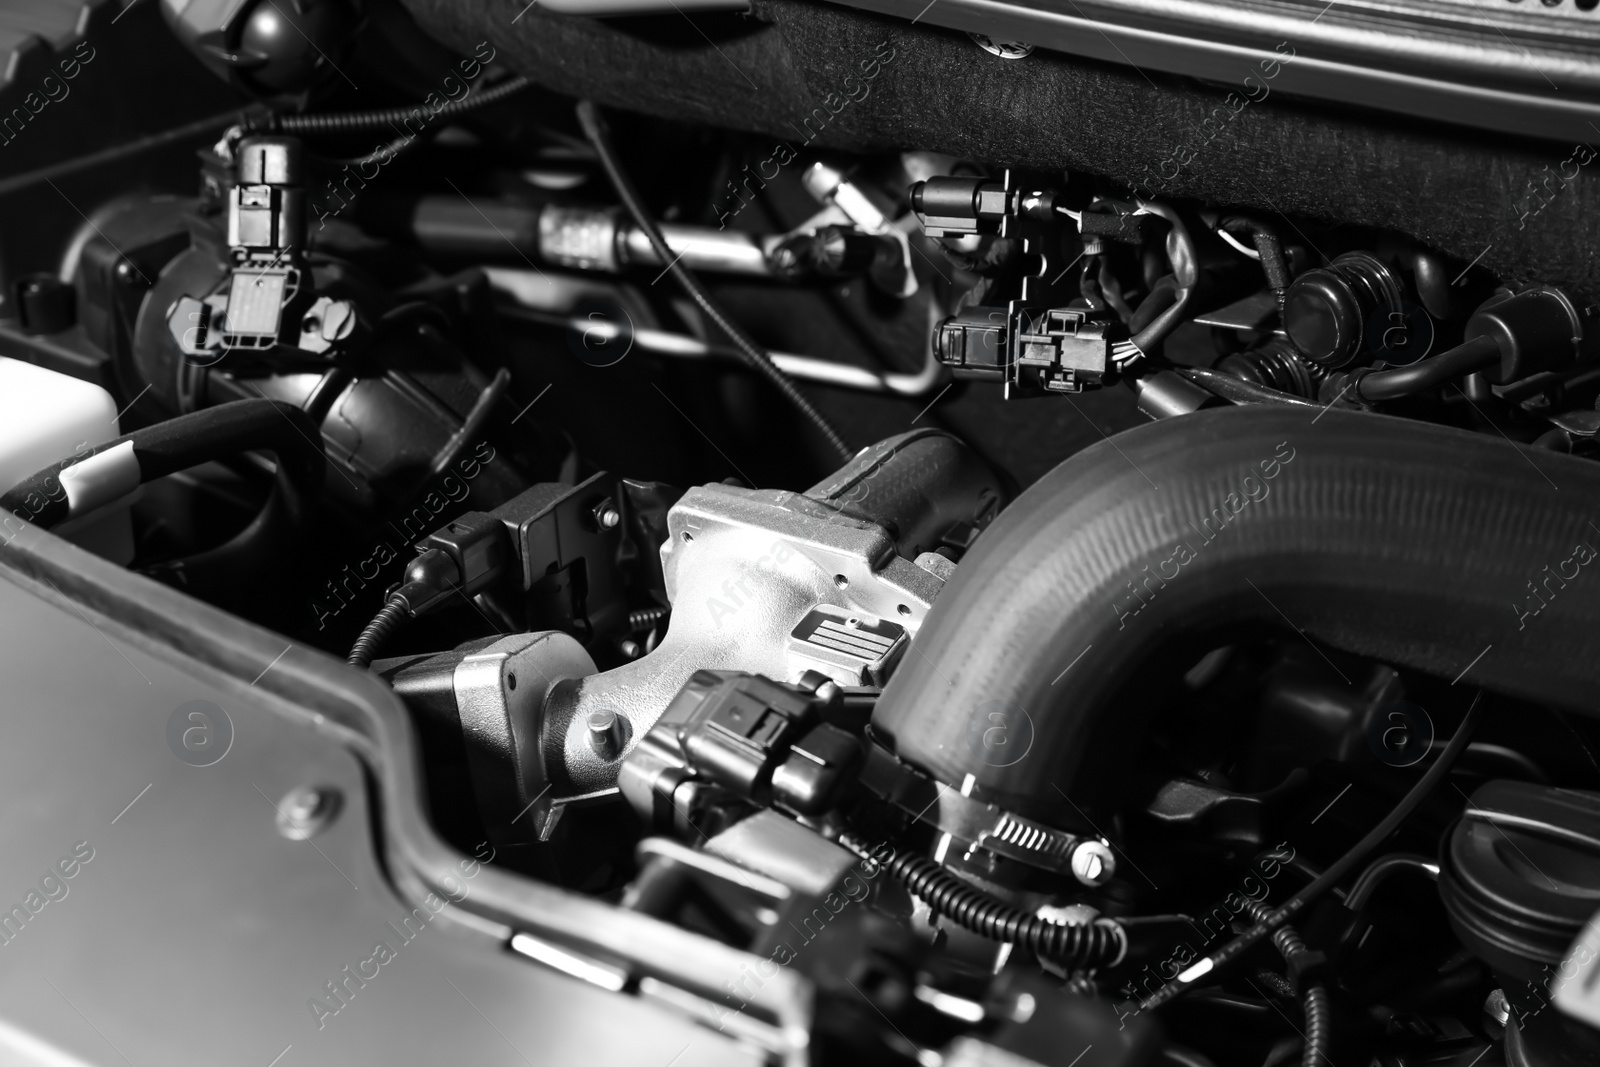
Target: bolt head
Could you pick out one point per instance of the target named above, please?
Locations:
(1093, 863)
(302, 804)
(306, 811)
(608, 733)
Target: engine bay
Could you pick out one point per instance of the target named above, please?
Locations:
(995, 609)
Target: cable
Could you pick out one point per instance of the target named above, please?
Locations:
(1318, 1009)
(1240, 391)
(354, 121)
(104, 474)
(386, 622)
(1269, 250)
(1185, 271)
(1367, 882)
(1333, 875)
(594, 126)
(384, 154)
(1464, 359)
(1101, 943)
(1111, 290)
(1319, 1027)
(1282, 1051)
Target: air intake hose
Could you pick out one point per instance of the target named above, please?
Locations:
(1453, 553)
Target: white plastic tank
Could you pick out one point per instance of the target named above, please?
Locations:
(46, 416)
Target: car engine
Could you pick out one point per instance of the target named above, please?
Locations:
(993, 535)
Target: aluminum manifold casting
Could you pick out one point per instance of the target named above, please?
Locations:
(836, 580)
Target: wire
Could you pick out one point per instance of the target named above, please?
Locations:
(1268, 250)
(594, 126)
(385, 154)
(1185, 271)
(1238, 245)
(1101, 943)
(386, 622)
(1464, 359)
(1240, 391)
(1330, 877)
(1367, 883)
(1318, 1009)
(353, 121)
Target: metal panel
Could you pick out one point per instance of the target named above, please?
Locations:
(196, 932)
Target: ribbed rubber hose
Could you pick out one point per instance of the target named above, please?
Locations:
(355, 121)
(1402, 541)
(386, 622)
(594, 127)
(1096, 944)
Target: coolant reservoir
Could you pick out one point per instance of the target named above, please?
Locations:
(46, 416)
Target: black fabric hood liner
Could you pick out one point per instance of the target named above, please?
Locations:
(1463, 193)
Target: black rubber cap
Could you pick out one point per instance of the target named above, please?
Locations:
(1322, 316)
(45, 304)
(1520, 873)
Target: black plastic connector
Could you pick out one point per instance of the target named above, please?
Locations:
(975, 344)
(958, 207)
(476, 547)
(740, 739)
(551, 551)
(430, 579)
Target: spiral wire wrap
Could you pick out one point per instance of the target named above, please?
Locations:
(1101, 943)
(386, 622)
(354, 121)
(642, 619)
(1318, 1009)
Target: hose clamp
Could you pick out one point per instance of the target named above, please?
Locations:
(984, 826)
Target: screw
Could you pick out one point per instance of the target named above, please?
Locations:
(306, 811)
(606, 515)
(1093, 863)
